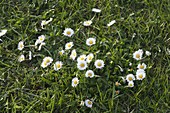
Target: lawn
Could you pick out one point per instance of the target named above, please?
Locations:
(64, 56)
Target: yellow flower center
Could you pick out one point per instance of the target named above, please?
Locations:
(75, 82)
(130, 78)
(140, 76)
(130, 85)
(21, 46)
(99, 64)
(89, 74)
(81, 58)
(82, 65)
(68, 33)
(137, 55)
(61, 53)
(91, 42)
(47, 61)
(58, 65)
(90, 58)
(141, 67)
(41, 38)
(89, 102)
(69, 45)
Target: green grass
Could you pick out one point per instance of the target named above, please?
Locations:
(27, 87)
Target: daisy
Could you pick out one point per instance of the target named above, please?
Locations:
(141, 66)
(96, 10)
(147, 53)
(3, 32)
(58, 65)
(138, 54)
(130, 84)
(68, 32)
(21, 45)
(91, 41)
(75, 82)
(140, 74)
(46, 61)
(88, 103)
(61, 52)
(81, 65)
(130, 77)
(21, 58)
(89, 57)
(111, 23)
(99, 64)
(44, 22)
(69, 45)
(73, 54)
(41, 38)
(81, 58)
(89, 73)
(87, 23)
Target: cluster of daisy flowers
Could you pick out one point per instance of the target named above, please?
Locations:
(141, 67)
(83, 60)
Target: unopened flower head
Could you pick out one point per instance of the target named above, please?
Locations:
(111, 23)
(58, 65)
(141, 66)
(21, 58)
(21, 45)
(81, 58)
(88, 103)
(148, 53)
(96, 10)
(91, 41)
(46, 62)
(130, 84)
(68, 32)
(3, 32)
(73, 54)
(87, 23)
(89, 73)
(140, 74)
(75, 82)
(138, 54)
(89, 58)
(99, 64)
(69, 45)
(130, 77)
(81, 65)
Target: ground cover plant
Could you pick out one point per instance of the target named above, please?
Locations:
(97, 56)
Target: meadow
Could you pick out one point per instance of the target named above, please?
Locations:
(84, 56)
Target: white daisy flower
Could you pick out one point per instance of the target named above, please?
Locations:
(91, 41)
(147, 53)
(130, 84)
(140, 74)
(96, 10)
(88, 103)
(61, 52)
(138, 54)
(89, 58)
(99, 64)
(21, 58)
(87, 23)
(69, 45)
(41, 38)
(141, 66)
(30, 55)
(111, 23)
(46, 62)
(82, 65)
(44, 22)
(75, 82)
(130, 77)
(3, 32)
(89, 73)
(58, 65)
(68, 32)
(73, 54)
(81, 58)
(21, 45)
